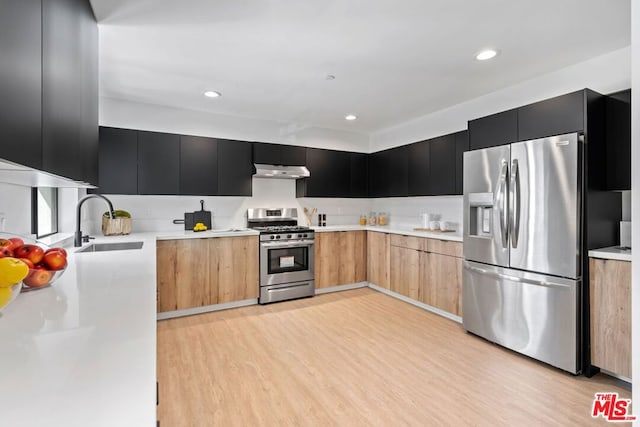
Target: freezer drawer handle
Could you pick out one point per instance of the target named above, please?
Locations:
(516, 278)
(501, 201)
(514, 195)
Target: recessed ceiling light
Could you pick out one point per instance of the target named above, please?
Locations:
(350, 117)
(212, 94)
(486, 54)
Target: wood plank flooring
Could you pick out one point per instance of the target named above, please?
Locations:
(356, 358)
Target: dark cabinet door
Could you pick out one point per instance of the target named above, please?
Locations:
(330, 173)
(235, 168)
(88, 143)
(21, 82)
(397, 171)
(198, 166)
(118, 165)
(462, 146)
(494, 130)
(555, 116)
(158, 163)
(69, 91)
(377, 177)
(267, 154)
(359, 175)
(442, 160)
(293, 155)
(618, 140)
(418, 174)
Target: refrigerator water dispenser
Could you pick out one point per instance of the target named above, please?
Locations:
(481, 214)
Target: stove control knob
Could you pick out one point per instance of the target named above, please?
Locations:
(288, 236)
(278, 236)
(272, 237)
(305, 236)
(300, 236)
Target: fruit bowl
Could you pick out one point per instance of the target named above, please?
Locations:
(44, 264)
(8, 294)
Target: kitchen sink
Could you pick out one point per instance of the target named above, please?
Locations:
(102, 247)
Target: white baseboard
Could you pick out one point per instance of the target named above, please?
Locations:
(342, 288)
(205, 309)
(417, 303)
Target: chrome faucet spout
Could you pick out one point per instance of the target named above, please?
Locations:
(77, 242)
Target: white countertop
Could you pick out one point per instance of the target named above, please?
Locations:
(455, 236)
(612, 252)
(82, 352)
(188, 234)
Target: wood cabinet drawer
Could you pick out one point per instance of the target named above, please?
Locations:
(444, 247)
(410, 242)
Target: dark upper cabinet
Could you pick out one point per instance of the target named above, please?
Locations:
(418, 174)
(494, 130)
(158, 163)
(462, 146)
(278, 154)
(554, 116)
(330, 174)
(388, 172)
(118, 165)
(442, 160)
(358, 185)
(69, 89)
(618, 140)
(21, 82)
(198, 166)
(235, 168)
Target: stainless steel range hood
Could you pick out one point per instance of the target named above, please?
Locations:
(281, 172)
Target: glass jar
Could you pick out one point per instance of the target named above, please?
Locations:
(363, 220)
(373, 219)
(383, 218)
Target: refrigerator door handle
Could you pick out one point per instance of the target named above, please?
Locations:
(516, 278)
(501, 201)
(514, 203)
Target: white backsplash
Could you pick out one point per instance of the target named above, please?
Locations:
(404, 212)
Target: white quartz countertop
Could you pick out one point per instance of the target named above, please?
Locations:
(612, 252)
(455, 236)
(187, 234)
(82, 352)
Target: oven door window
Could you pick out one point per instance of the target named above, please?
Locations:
(285, 260)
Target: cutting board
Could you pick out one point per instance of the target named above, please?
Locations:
(200, 216)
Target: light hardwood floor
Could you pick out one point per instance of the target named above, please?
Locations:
(355, 358)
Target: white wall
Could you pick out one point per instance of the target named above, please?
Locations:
(133, 115)
(605, 74)
(404, 211)
(635, 200)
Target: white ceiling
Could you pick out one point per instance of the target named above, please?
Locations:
(393, 60)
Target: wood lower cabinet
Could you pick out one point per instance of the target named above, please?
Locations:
(441, 282)
(233, 271)
(340, 258)
(610, 300)
(378, 258)
(200, 272)
(405, 271)
(427, 270)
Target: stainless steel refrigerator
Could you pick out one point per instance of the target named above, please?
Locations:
(522, 247)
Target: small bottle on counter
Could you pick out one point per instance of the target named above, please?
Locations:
(373, 219)
(383, 218)
(363, 220)
(324, 220)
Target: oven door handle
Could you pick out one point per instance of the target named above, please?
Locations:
(287, 244)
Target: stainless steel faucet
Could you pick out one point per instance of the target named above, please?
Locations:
(78, 236)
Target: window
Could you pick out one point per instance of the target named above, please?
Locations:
(44, 211)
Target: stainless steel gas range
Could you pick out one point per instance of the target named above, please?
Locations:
(286, 254)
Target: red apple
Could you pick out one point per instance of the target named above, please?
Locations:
(55, 260)
(16, 241)
(38, 277)
(34, 253)
(5, 252)
(6, 243)
(28, 262)
(63, 250)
